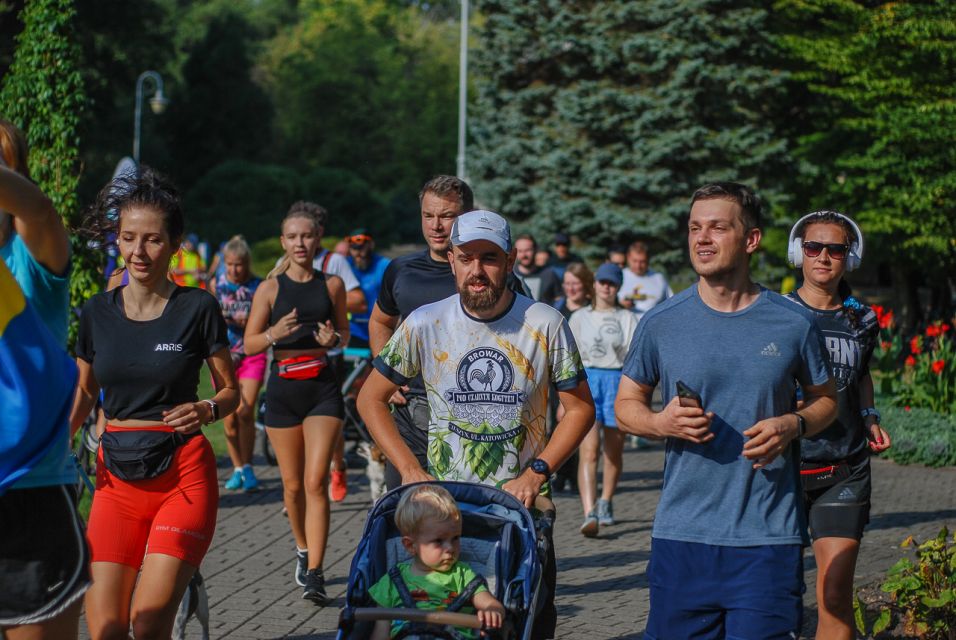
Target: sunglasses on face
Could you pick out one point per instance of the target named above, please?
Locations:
(836, 251)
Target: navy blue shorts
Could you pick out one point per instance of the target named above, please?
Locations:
(706, 591)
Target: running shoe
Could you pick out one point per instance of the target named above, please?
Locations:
(314, 589)
(338, 486)
(605, 512)
(234, 482)
(590, 526)
(301, 566)
(249, 480)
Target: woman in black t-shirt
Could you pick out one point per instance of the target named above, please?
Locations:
(301, 314)
(835, 467)
(144, 345)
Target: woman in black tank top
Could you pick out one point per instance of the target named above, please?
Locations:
(301, 314)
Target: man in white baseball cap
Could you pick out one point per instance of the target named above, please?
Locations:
(488, 357)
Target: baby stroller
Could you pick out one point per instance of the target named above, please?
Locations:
(500, 540)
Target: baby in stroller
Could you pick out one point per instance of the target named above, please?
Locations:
(430, 523)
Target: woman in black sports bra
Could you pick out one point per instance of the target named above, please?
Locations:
(301, 314)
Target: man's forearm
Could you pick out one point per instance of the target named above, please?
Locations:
(380, 330)
(568, 433)
(819, 412)
(637, 419)
(355, 301)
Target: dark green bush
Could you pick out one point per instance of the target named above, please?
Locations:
(920, 436)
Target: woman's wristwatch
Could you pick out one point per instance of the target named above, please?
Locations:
(215, 410)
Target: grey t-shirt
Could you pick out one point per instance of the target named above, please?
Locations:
(746, 366)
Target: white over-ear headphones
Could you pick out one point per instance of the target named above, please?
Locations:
(795, 246)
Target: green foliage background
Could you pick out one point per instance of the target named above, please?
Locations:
(597, 117)
(43, 95)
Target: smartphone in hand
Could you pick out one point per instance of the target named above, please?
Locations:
(687, 397)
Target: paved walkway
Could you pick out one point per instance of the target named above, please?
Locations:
(602, 591)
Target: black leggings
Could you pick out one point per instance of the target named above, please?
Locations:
(290, 402)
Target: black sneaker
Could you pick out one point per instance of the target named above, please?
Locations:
(301, 566)
(315, 587)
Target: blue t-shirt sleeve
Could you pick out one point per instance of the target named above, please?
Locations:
(815, 359)
(642, 364)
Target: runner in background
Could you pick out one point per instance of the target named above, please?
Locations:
(542, 282)
(370, 269)
(835, 467)
(542, 257)
(234, 290)
(187, 267)
(603, 332)
(617, 255)
(561, 255)
(336, 264)
(643, 289)
(578, 287)
(300, 312)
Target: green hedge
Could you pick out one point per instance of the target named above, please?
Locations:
(920, 436)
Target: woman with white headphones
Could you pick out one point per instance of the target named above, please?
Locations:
(835, 467)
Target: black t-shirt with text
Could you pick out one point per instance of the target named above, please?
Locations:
(415, 280)
(850, 344)
(147, 366)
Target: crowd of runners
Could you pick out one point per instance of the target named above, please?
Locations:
(496, 362)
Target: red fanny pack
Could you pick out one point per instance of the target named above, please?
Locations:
(301, 367)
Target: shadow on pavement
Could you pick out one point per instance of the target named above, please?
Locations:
(908, 518)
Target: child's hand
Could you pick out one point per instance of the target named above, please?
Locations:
(490, 611)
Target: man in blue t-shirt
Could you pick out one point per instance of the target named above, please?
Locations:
(370, 268)
(726, 549)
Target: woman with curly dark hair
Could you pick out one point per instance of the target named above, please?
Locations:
(143, 344)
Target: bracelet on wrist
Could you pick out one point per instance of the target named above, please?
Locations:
(269, 338)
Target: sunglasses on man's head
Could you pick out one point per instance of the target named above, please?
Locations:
(359, 240)
(836, 251)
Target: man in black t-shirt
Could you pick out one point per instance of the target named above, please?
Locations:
(413, 281)
(541, 281)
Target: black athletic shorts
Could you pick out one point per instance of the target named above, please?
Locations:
(841, 510)
(44, 559)
(290, 402)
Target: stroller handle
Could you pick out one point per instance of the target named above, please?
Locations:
(441, 618)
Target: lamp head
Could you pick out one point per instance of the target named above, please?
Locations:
(158, 102)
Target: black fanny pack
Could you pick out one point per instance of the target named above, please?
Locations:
(130, 454)
(820, 475)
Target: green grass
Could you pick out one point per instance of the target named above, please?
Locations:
(213, 433)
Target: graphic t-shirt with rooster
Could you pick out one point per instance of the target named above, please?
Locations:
(488, 383)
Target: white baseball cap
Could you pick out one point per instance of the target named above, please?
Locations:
(481, 225)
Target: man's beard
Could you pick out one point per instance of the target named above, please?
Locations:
(482, 300)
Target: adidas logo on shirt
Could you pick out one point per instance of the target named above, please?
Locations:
(771, 350)
(168, 346)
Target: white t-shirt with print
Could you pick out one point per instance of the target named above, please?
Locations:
(487, 382)
(603, 336)
(646, 291)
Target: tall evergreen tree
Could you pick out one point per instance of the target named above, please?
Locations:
(43, 94)
(878, 131)
(601, 117)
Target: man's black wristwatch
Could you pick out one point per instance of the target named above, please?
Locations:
(540, 466)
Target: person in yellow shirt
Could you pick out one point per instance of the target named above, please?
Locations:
(187, 268)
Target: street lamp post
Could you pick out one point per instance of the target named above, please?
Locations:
(157, 103)
(462, 88)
